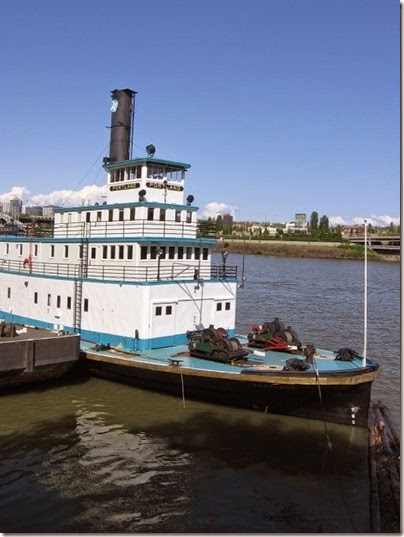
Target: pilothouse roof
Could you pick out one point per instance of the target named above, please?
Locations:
(147, 160)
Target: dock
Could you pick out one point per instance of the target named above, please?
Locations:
(384, 471)
(30, 355)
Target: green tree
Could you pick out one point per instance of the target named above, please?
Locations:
(324, 226)
(219, 222)
(314, 223)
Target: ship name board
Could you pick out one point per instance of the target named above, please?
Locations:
(126, 186)
(153, 184)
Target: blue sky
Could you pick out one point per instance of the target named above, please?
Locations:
(280, 106)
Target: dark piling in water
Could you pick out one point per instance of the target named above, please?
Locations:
(384, 469)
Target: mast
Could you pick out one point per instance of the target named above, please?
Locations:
(365, 298)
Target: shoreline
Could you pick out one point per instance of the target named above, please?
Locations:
(299, 249)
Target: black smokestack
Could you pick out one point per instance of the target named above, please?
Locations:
(122, 110)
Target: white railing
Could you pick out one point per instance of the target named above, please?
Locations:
(126, 228)
(173, 271)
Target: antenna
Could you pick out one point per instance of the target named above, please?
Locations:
(365, 299)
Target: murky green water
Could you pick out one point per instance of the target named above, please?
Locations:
(93, 456)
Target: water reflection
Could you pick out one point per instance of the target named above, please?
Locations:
(119, 459)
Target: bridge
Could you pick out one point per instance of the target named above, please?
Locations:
(386, 244)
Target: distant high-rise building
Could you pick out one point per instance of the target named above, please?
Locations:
(227, 220)
(48, 210)
(300, 220)
(33, 210)
(13, 207)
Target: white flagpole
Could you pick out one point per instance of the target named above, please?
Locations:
(365, 300)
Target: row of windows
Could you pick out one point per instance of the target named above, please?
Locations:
(153, 172)
(118, 215)
(126, 252)
(219, 306)
(168, 310)
(57, 302)
(159, 310)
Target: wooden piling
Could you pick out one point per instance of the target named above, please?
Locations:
(384, 471)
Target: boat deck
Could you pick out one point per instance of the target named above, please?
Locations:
(257, 361)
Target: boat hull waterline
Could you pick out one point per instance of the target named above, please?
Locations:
(337, 396)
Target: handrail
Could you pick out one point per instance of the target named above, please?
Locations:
(126, 229)
(127, 273)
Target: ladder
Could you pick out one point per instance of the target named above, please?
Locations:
(78, 283)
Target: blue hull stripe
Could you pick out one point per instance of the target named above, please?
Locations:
(129, 344)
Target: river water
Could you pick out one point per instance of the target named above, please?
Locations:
(89, 455)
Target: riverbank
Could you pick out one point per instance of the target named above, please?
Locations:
(298, 249)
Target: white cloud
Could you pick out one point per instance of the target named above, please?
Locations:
(213, 209)
(374, 220)
(337, 221)
(86, 196)
(17, 191)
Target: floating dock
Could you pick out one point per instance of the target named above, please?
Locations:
(30, 355)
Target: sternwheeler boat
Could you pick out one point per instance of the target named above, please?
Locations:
(135, 277)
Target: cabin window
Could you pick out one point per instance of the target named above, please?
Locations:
(112, 252)
(121, 215)
(69, 302)
(155, 172)
(49, 301)
(99, 216)
(66, 250)
(227, 306)
(150, 213)
(80, 251)
(7, 248)
(171, 252)
(189, 217)
(180, 252)
(121, 249)
(189, 252)
(58, 301)
(153, 252)
(88, 217)
(52, 250)
(132, 213)
(169, 310)
(197, 253)
(104, 252)
(110, 215)
(129, 251)
(143, 252)
(205, 253)
(35, 298)
(35, 250)
(8, 292)
(218, 306)
(159, 310)
(20, 249)
(93, 253)
(85, 308)
(178, 216)
(162, 215)
(135, 172)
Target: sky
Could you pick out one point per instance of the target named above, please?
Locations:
(280, 106)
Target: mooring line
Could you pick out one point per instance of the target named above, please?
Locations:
(183, 390)
(329, 447)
